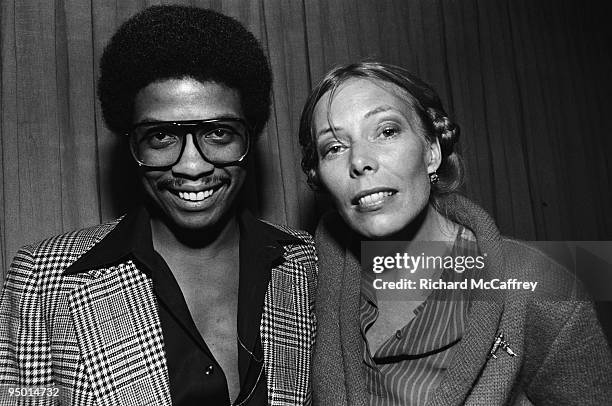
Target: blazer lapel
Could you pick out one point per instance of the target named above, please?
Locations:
(274, 305)
(120, 337)
(287, 332)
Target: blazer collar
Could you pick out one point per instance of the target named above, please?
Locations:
(132, 237)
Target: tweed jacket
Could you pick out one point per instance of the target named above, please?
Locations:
(562, 357)
(96, 335)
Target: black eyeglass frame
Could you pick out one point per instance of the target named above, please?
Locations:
(179, 123)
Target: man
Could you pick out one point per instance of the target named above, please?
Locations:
(186, 299)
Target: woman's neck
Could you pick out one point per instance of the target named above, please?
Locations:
(429, 225)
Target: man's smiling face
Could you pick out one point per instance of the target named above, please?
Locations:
(194, 194)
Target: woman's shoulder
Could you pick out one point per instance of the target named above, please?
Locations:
(559, 296)
(561, 327)
(331, 228)
(549, 264)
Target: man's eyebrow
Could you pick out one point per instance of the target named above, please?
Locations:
(149, 119)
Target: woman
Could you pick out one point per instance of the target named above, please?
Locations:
(377, 139)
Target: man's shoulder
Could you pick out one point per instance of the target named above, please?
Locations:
(303, 236)
(69, 244)
(299, 247)
(44, 262)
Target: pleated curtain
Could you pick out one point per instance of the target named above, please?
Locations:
(528, 81)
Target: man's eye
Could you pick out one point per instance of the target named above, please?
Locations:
(161, 139)
(220, 135)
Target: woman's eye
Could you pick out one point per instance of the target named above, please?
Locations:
(389, 132)
(333, 150)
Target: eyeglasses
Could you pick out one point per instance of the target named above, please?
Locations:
(160, 144)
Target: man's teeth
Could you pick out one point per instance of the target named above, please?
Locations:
(195, 196)
(374, 198)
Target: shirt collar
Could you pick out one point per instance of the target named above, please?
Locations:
(132, 238)
(132, 235)
(439, 321)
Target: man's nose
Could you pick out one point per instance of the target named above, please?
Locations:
(192, 164)
(363, 160)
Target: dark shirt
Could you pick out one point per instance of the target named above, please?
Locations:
(411, 364)
(194, 374)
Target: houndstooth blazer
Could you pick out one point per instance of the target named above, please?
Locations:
(96, 335)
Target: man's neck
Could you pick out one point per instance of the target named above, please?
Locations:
(210, 243)
(205, 265)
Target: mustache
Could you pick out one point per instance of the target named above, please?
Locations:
(171, 183)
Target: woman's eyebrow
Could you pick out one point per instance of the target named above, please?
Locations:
(326, 130)
(379, 109)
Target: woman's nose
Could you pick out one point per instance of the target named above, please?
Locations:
(363, 160)
(192, 164)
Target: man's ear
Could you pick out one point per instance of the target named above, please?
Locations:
(433, 157)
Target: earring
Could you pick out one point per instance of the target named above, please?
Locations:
(433, 178)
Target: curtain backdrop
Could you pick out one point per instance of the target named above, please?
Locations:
(527, 80)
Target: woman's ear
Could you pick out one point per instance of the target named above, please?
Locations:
(433, 156)
(313, 180)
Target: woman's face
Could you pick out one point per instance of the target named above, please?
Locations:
(375, 166)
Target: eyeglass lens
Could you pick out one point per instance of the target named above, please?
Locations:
(161, 144)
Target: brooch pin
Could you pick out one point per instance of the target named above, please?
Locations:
(500, 343)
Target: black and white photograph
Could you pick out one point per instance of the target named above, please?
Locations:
(305, 202)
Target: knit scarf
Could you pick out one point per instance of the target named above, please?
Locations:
(338, 375)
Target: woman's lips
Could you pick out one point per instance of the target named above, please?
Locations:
(372, 199)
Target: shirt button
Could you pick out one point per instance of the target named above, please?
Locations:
(209, 370)
(398, 334)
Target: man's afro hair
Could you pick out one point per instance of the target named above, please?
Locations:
(165, 42)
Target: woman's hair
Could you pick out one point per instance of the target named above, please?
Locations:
(175, 42)
(429, 118)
